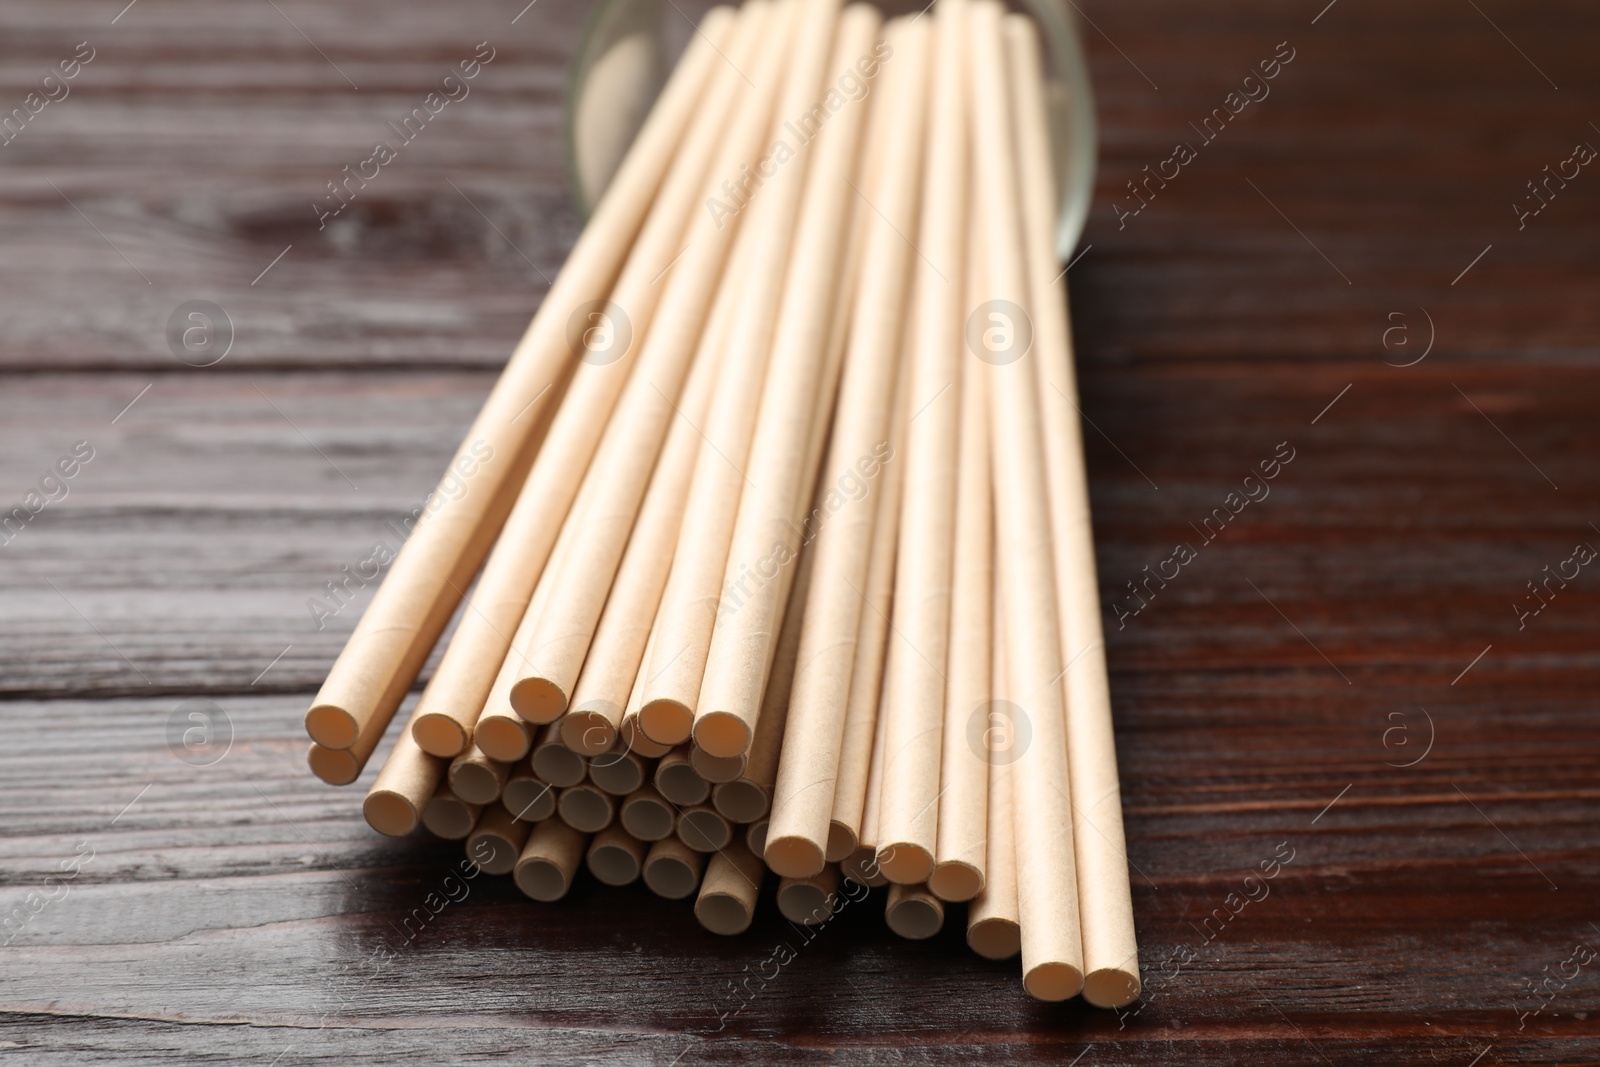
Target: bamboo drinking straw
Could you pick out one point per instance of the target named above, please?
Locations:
(424, 584)
(672, 869)
(727, 900)
(624, 461)
(913, 912)
(1047, 887)
(993, 931)
(555, 762)
(549, 860)
(618, 773)
(809, 901)
(483, 637)
(717, 769)
(611, 668)
(586, 808)
(496, 841)
(526, 797)
(476, 778)
(499, 730)
(646, 815)
(448, 816)
(678, 781)
(409, 776)
(803, 796)
(615, 857)
(781, 468)
(909, 816)
(690, 603)
(1110, 951)
(959, 861)
(704, 829)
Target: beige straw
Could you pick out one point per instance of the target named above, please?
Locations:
(861, 721)
(781, 466)
(618, 773)
(862, 864)
(809, 901)
(586, 808)
(678, 781)
(611, 669)
(704, 829)
(803, 797)
(727, 900)
(500, 731)
(1047, 885)
(909, 816)
(549, 671)
(409, 776)
(526, 796)
(615, 857)
(717, 769)
(913, 912)
(549, 860)
(476, 778)
(672, 869)
(496, 841)
(755, 837)
(749, 797)
(959, 861)
(425, 583)
(1110, 950)
(993, 930)
(690, 602)
(478, 649)
(555, 762)
(448, 816)
(647, 815)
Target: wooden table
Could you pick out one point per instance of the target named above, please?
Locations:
(1337, 685)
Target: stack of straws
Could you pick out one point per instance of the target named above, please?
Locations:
(789, 560)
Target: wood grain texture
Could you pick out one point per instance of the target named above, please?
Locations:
(1266, 697)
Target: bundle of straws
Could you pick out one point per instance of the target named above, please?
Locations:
(779, 520)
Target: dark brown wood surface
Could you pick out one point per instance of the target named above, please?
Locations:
(1359, 618)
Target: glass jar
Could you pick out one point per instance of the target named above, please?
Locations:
(630, 46)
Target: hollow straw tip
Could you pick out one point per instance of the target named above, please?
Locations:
(791, 856)
(723, 914)
(439, 735)
(332, 726)
(722, 733)
(540, 879)
(390, 813)
(587, 732)
(842, 840)
(955, 881)
(538, 700)
(666, 722)
(336, 766)
(995, 938)
(1110, 987)
(905, 863)
(501, 739)
(1053, 981)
